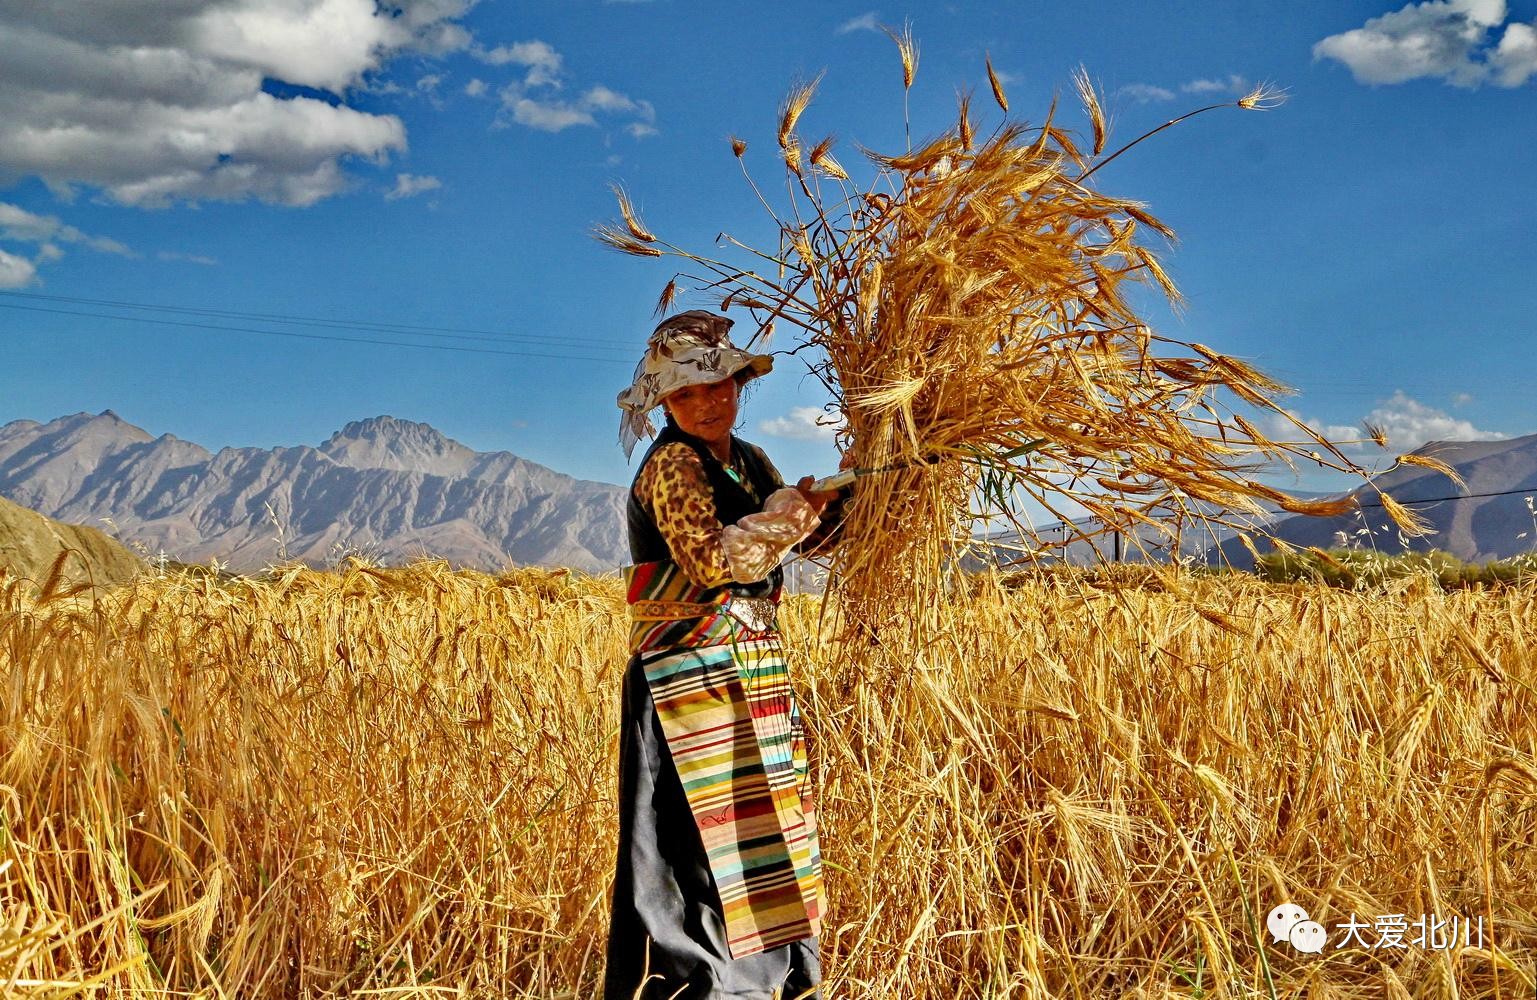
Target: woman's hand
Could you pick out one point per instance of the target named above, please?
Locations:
(820, 499)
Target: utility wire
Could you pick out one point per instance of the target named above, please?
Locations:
(1335, 386)
(310, 336)
(1530, 491)
(444, 332)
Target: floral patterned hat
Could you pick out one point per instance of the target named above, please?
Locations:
(691, 348)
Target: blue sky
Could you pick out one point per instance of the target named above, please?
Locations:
(439, 168)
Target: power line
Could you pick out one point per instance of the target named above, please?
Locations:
(442, 332)
(311, 336)
(1529, 491)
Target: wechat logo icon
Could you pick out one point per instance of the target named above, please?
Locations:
(1289, 922)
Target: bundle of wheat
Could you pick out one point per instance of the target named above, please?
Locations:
(970, 307)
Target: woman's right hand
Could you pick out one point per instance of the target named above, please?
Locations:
(819, 499)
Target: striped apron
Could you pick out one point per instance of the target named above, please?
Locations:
(717, 675)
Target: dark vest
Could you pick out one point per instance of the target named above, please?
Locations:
(732, 502)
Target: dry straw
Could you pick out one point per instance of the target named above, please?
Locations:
(970, 306)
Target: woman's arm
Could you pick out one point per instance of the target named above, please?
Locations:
(825, 535)
(675, 490)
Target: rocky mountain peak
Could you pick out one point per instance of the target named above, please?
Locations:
(386, 426)
(106, 422)
(386, 442)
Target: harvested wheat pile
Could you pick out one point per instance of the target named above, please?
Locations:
(969, 306)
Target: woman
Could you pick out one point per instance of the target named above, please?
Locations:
(718, 885)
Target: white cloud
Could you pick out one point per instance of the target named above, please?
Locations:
(550, 114)
(327, 44)
(1407, 422)
(1146, 93)
(802, 423)
(600, 98)
(429, 83)
(1410, 424)
(539, 58)
(22, 226)
(1342, 436)
(186, 258)
(409, 185)
(1445, 39)
(17, 225)
(1514, 61)
(16, 272)
(532, 101)
(1462, 398)
(868, 21)
(1234, 84)
(154, 101)
(547, 116)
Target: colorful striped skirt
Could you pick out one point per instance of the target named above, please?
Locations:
(718, 885)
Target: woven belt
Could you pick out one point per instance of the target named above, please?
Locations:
(671, 611)
(756, 613)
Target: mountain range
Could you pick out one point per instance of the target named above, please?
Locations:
(391, 489)
(395, 490)
(1492, 517)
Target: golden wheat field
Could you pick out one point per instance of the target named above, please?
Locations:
(393, 783)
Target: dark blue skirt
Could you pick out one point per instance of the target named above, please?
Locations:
(666, 915)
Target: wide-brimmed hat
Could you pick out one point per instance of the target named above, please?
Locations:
(691, 348)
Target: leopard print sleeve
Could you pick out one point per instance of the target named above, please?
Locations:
(676, 493)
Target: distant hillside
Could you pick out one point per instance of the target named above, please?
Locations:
(394, 489)
(30, 542)
(1489, 520)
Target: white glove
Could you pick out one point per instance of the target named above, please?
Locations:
(756, 543)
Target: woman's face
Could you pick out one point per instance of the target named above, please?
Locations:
(708, 412)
